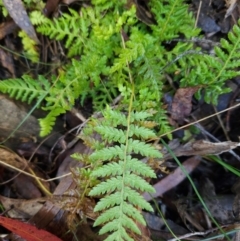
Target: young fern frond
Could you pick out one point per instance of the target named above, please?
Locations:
(123, 175)
(212, 71)
(72, 26)
(175, 13)
(29, 46)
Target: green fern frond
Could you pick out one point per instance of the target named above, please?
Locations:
(38, 18)
(48, 122)
(175, 13)
(30, 47)
(212, 71)
(73, 27)
(122, 176)
(26, 89)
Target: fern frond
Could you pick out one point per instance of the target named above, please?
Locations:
(175, 13)
(212, 71)
(30, 47)
(38, 18)
(48, 122)
(123, 177)
(26, 89)
(73, 27)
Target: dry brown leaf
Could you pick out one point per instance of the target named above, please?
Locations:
(182, 103)
(181, 205)
(173, 178)
(230, 4)
(11, 159)
(7, 62)
(20, 208)
(7, 28)
(18, 13)
(202, 148)
(50, 7)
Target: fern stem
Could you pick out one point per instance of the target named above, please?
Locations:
(127, 133)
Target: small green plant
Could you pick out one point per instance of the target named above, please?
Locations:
(115, 160)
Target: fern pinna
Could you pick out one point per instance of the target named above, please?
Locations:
(119, 164)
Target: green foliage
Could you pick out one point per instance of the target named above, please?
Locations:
(101, 72)
(29, 46)
(114, 53)
(26, 89)
(122, 175)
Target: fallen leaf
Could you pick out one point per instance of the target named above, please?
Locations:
(173, 178)
(18, 13)
(182, 103)
(50, 7)
(27, 231)
(231, 5)
(7, 62)
(202, 148)
(7, 28)
(20, 208)
(182, 208)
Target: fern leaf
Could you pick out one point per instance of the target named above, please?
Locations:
(108, 153)
(48, 122)
(38, 18)
(142, 148)
(121, 220)
(133, 165)
(111, 133)
(25, 89)
(115, 183)
(141, 132)
(30, 47)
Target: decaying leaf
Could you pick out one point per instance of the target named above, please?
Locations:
(182, 103)
(18, 13)
(230, 4)
(202, 148)
(7, 62)
(8, 159)
(181, 205)
(20, 208)
(219, 212)
(50, 7)
(173, 178)
(7, 28)
(27, 231)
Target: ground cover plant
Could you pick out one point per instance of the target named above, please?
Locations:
(121, 59)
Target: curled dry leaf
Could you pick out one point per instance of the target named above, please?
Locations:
(182, 103)
(201, 148)
(18, 13)
(7, 28)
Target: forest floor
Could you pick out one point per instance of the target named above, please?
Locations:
(27, 161)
